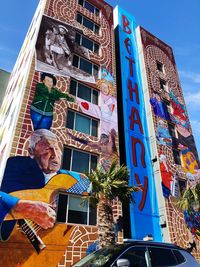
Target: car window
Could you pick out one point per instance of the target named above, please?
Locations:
(101, 257)
(179, 256)
(162, 257)
(136, 256)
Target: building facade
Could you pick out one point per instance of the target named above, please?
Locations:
(70, 44)
(156, 140)
(174, 154)
(4, 77)
(64, 81)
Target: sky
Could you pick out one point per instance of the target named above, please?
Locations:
(176, 22)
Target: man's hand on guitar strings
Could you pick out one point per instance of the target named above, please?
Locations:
(39, 212)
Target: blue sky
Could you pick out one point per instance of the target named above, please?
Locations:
(176, 22)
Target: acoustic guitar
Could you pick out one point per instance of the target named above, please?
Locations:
(26, 246)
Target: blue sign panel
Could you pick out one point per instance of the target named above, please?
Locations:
(144, 213)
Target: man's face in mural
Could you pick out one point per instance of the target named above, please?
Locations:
(48, 155)
(48, 82)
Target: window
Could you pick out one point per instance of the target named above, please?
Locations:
(179, 256)
(74, 209)
(88, 23)
(177, 158)
(89, 6)
(84, 92)
(78, 161)
(172, 130)
(182, 185)
(163, 85)
(85, 65)
(160, 66)
(162, 257)
(167, 106)
(82, 123)
(136, 256)
(89, 44)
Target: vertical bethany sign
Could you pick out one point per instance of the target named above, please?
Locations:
(144, 213)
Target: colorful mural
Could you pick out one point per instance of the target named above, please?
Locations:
(36, 186)
(162, 134)
(159, 108)
(107, 115)
(43, 201)
(178, 158)
(46, 94)
(15, 89)
(167, 176)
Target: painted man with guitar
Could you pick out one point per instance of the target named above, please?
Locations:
(28, 189)
(27, 173)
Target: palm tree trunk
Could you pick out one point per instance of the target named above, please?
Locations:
(105, 222)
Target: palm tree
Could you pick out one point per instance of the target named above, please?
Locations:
(190, 200)
(189, 203)
(106, 186)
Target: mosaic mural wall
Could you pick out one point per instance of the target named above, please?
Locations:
(15, 89)
(178, 158)
(41, 132)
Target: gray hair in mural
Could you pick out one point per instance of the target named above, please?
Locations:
(59, 51)
(37, 135)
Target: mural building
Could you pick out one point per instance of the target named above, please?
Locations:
(174, 156)
(59, 119)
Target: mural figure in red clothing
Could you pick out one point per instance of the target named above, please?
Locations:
(167, 176)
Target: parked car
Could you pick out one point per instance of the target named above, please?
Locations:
(139, 254)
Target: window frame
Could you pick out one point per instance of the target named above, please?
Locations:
(71, 158)
(172, 130)
(93, 43)
(167, 105)
(180, 259)
(96, 10)
(92, 90)
(179, 182)
(137, 247)
(95, 26)
(86, 116)
(160, 66)
(79, 62)
(163, 85)
(89, 208)
(177, 161)
(161, 248)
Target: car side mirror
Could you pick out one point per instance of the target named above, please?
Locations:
(123, 263)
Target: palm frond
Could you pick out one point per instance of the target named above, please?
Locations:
(190, 198)
(111, 183)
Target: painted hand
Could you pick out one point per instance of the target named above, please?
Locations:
(39, 212)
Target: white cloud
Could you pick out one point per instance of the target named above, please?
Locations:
(192, 76)
(185, 51)
(195, 126)
(6, 50)
(193, 100)
(6, 29)
(196, 132)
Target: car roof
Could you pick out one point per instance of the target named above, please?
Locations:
(131, 242)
